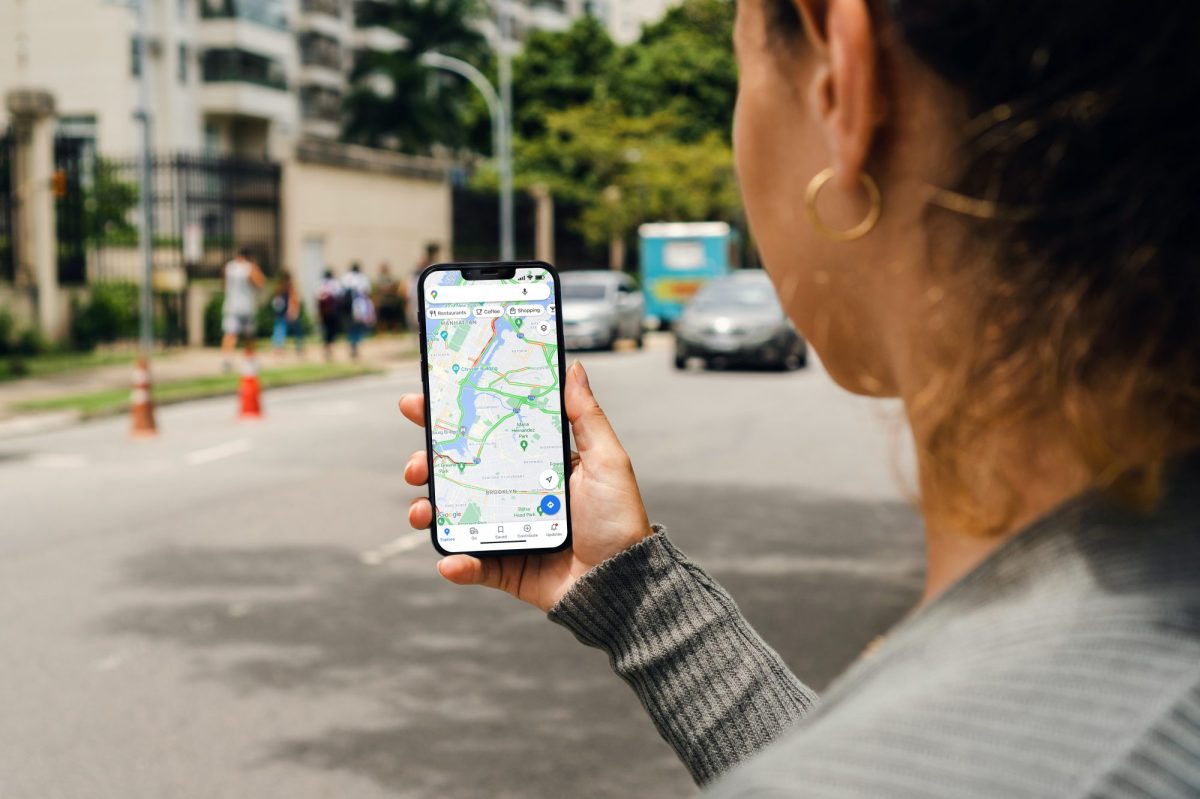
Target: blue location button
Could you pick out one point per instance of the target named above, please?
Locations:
(550, 505)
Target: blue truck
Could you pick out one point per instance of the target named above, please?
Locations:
(677, 258)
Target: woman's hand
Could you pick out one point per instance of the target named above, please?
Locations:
(607, 513)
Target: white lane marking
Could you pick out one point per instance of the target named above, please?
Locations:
(219, 452)
(405, 543)
(50, 461)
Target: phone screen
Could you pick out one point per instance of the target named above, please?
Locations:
(494, 410)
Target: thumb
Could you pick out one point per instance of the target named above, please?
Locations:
(592, 431)
(466, 570)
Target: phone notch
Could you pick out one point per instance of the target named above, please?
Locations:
(490, 272)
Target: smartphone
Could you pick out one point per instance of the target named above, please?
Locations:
(496, 429)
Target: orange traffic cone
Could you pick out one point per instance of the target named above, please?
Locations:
(251, 392)
(141, 403)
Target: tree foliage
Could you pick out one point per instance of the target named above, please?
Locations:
(632, 134)
(394, 101)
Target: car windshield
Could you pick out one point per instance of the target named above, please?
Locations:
(584, 291)
(736, 295)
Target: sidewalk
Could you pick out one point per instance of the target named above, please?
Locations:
(379, 352)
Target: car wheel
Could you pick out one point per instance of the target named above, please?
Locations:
(680, 362)
(611, 344)
(640, 340)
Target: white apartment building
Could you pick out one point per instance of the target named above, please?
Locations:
(625, 18)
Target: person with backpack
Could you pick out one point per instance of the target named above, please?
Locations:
(360, 310)
(329, 309)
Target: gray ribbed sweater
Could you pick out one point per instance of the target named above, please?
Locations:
(1066, 665)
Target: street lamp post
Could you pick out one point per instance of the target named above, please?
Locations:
(499, 107)
(146, 239)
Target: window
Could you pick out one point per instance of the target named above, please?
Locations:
(183, 64)
(224, 65)
(181, 9)
(135, 58)
(212, 139)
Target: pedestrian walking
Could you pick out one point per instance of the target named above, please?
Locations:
(389, 299)
(243, 279)
(329, 309)
(986, 210)
(433, 254)
(358, 307)
(285, 305)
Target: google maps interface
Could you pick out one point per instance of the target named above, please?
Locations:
(495, 411)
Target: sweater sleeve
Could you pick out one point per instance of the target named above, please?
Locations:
(714, 689)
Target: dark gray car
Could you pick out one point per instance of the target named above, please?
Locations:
(737, 320)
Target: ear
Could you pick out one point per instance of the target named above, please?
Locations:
(845, 85)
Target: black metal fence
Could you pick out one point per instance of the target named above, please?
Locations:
(204, 210)
(477, 230)
(8, 234)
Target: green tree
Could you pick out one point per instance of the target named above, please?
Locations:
(556, 71)
(393, 100)
(108, 203)
(627, 170)
(684, 64)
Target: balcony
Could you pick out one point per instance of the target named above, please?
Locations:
(262, 12)
(321, 111)
(319, 50)
(241, 66)
(330, 8)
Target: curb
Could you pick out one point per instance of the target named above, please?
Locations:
(33, 423)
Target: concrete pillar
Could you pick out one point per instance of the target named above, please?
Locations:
(32, 115)
(544, 224)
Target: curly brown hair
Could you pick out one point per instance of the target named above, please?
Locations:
(1080, 175)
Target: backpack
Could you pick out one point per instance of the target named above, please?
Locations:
(327, 302)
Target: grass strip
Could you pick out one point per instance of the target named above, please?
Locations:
(107, 402)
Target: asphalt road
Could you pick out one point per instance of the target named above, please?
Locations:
(238, 610)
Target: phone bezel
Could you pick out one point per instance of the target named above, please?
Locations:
(492, 270)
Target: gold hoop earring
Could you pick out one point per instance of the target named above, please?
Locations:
(858, 231)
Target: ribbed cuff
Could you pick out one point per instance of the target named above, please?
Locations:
(716, 692)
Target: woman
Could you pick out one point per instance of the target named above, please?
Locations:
(285, 305)
(329, 309)
(986, 209)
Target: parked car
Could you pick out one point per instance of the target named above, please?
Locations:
(600, 307)
(738, 320)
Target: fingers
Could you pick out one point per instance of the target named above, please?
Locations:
(466, 570)
(416, 471)
(413, 408)
(593, 433)
(420, 513)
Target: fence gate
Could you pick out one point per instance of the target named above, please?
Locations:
(73, 167)
(8, 254)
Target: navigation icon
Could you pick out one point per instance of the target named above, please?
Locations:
(548, 479)
(550, 505)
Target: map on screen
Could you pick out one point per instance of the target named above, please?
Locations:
(496, 417)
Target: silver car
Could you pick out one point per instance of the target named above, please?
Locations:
(600, 307)
(737, 320)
